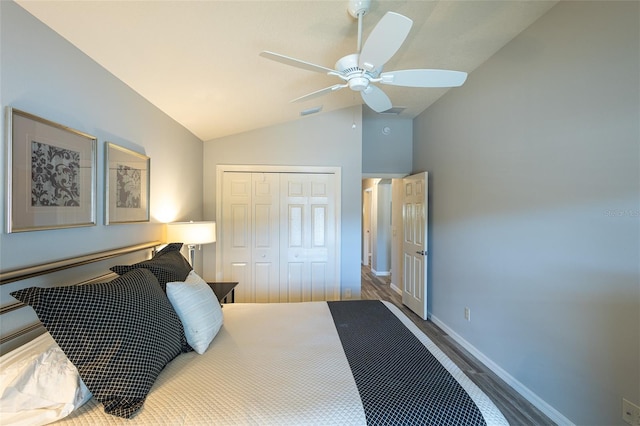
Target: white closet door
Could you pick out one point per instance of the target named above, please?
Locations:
(307, 237)
(236, 233)
(278, 236)
(265, 224)
(250, 235)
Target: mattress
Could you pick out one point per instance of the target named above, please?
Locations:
(271, 364)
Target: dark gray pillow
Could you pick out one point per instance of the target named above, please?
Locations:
(168, 265)
(119, 334)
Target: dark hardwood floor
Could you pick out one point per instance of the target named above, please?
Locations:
(516, 409)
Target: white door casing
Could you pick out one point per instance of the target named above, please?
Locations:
(414, 245)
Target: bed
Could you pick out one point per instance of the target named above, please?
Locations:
(339, 362)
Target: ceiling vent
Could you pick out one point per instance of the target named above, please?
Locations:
(309, 111)
(394, 110)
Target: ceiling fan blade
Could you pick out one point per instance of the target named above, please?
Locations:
(376, 99)
(424, 78)
(295, 62)
(320, 92)
(384, 41)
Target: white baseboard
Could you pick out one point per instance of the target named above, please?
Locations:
(381, 273)
(534, 399)
(396, 289)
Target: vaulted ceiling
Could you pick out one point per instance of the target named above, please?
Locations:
(198, 61)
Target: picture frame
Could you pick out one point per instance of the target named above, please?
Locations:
(127, 177)
(51, 174)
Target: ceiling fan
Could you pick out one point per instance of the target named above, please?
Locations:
(360, 70)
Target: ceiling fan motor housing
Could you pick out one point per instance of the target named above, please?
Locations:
(357, 78)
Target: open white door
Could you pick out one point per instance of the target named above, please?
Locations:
(414, 245)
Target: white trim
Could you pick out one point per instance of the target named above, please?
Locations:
(267, 168)
(396, 289)
(380, 273)
(258, 168)
(534, 399)
(384, 175)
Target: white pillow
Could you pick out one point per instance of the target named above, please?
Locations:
(198, 308)
(38, 384)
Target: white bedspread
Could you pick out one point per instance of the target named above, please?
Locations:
(269, 364)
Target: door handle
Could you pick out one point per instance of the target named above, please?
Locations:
(422, 252)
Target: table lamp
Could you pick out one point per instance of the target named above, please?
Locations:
(191, 234)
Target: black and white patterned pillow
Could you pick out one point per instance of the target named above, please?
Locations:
(168, 265)
(119, 334)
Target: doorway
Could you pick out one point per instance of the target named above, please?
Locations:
(382, 227)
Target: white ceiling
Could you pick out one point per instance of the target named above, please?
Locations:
(198, 60)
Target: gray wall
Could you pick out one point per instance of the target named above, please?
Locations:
(381, 262)
(45, 75)
(326, 139)
(386, 154)
(535, 225)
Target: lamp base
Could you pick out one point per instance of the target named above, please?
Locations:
(192, 254)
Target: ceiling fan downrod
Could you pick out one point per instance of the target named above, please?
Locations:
(357, 9)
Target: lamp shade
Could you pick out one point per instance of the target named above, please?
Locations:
(191, 232)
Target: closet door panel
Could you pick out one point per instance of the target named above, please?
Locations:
(295, 225)
(240, 237)
(267, 290)
(241, 272)
(320, 287)
(322, 200)
(265, 235)
(236, 234)
(293, 284)
(318, 226)
(308, 230)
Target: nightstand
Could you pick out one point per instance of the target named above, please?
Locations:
(224, 290)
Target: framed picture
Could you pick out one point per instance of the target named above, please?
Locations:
(51, 181)
(126, 185)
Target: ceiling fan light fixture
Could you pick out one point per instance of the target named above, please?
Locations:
(358, 84)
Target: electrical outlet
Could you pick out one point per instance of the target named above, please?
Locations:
(347, 293)
(467, 314)
(630, 413)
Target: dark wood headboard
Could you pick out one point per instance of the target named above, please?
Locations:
(19, 324)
